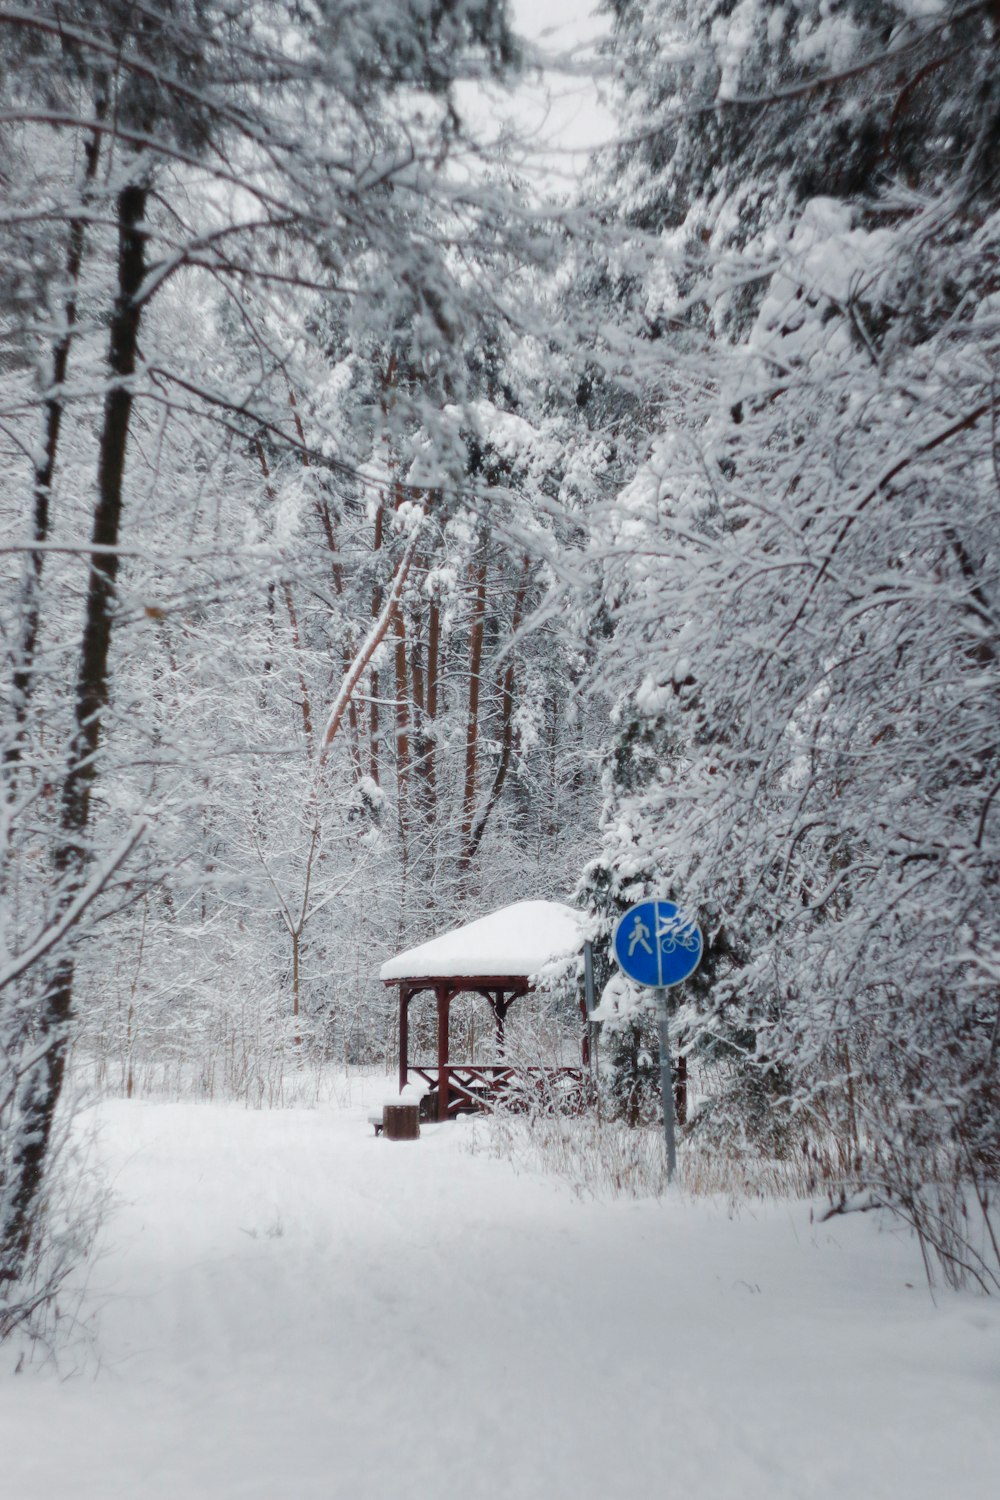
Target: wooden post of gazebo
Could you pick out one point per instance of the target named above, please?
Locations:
(405, 996)
(443, 995)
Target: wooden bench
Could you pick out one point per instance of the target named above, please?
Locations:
(377, 1121)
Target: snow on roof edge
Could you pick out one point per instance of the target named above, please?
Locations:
(515, 941)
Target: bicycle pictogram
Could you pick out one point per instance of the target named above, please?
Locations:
(672, 933)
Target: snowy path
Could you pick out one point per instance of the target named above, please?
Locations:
(287, 1319)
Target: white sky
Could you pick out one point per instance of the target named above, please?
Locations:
(560, 114)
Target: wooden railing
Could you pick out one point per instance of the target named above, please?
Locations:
(466, 1087)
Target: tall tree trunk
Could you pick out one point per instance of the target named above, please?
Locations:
(506, 719)
(347, 654)
(402, 731)
(424, 668)
(337, 573)
(367, 650)
(472, 720)
(388, 381)
(353, 723)
(43, 1083)
(423, 744)
(45, 467)
(373, 724)
(305, 702)
(293, 623)
(296, 935)
(433, 678)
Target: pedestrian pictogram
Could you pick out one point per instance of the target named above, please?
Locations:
(640, 932)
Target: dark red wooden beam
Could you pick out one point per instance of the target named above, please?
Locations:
(517, 984)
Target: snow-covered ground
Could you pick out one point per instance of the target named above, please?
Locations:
(290, 1309)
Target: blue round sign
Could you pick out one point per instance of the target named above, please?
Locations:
(657, 943)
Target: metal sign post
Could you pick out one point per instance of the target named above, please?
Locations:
(658, 945)
(666, 1083)
(588, 987)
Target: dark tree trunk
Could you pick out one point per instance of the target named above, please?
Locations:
(433, 678)
(24, 663)
(506, 721)
(43, 1085)
(402, 730)
(423, 677)
(472, 722)
(373, 717)
(305, 700)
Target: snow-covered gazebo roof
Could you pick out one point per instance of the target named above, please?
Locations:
(516, 942)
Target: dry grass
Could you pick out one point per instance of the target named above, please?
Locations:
(607, 1159)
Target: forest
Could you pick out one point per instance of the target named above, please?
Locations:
(388, 533)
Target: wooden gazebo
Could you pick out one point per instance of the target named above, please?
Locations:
(496, 957)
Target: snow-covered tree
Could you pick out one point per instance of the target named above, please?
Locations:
(805, 568)
(189, 186)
